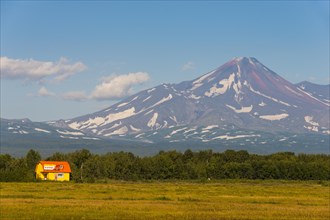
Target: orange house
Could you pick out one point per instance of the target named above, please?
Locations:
(53, 170)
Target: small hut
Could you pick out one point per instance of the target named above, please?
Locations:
(53, 170)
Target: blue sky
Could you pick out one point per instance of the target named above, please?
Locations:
(64, 59)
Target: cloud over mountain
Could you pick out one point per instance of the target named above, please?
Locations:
(188, 66)
(44, 92)
(35, 70)
(118, 86)
(111, 88)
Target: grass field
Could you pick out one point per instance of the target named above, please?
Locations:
(166, 200)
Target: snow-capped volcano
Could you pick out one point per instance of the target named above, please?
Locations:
(242, 93)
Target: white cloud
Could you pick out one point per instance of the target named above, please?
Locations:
(75, 96)
(115, 87)
(312, 78)
(44, 92)
(31, 69)
(188, 66)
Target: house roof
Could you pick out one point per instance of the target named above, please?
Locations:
(55, 166)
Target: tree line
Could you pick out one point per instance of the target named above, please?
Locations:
(173, 165)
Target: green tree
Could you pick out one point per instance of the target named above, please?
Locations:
(77, 160)
(57, 156)
(80, 156)
(32, 159)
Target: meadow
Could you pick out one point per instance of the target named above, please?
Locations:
(222, 199)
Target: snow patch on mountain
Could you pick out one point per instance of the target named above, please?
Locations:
(210, 127)
(140, 135)
(146, 98)
(237, 87)
(226, 137)
(115, 125)
(291, 90)
(165, 99)
(309, 120)
(148, 112)
(91, 122)
(176, 131)
(135, 98)
(107, 129)
(90, 138)
(274, 117)
(69, 137)
(251, 62)
(225, 83)
(165, 124)
(198, 83)
(312, 128)
(134, 128)
(122, 104)
(326, 132)
(41, 130)
(192, 96)
(242, 110)
(174, 118)
(76, 133)
(189, 130)
(120, 115)
(238, 70)
(120, 131)
(95, 122)
(151, 90)
(152, 121)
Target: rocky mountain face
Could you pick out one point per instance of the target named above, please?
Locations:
(242, 93)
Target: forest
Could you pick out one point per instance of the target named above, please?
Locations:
(172, 165)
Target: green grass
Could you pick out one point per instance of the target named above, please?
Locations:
(228, 199)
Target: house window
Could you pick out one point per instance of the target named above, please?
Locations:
(60, 175)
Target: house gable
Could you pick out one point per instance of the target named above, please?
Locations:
(54, 167)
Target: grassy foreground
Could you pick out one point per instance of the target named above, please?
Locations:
(166, 200)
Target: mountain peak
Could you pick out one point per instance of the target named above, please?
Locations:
(245, 59)
(242, 67)
(244, 63)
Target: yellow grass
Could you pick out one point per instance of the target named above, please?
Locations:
(166, 200)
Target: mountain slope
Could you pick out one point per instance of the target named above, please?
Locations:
(26, 127)
(242, 93)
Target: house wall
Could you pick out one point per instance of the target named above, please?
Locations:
(54, 176)
(37, 171)
(58, 176)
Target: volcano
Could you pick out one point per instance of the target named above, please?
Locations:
(242, 93)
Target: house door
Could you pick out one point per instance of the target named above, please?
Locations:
(45, 176)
